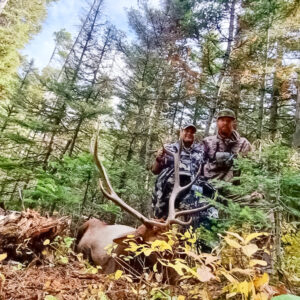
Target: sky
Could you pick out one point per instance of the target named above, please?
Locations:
(65, 14)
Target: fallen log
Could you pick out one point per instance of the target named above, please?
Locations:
(22, 233)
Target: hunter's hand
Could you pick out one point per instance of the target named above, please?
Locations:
(160, 155)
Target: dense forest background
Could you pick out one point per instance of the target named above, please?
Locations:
(189, 59)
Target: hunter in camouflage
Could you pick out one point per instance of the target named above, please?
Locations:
(191, 159)
(223, 148)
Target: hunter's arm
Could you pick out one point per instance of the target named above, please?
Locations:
(159, 163)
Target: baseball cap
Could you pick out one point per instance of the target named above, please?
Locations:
(187, 125)
(226, 113)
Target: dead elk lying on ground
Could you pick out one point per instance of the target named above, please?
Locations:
(94, 235)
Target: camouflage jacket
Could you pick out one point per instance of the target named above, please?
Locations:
(234, 145)
(191, 159)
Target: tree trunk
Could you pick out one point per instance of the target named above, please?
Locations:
(88, 39)
(75, 137)
(77, 38)
(236, 71)
(85, 195)
(49, 150)
(263, 90)
(275, 94)
(196, 111)
(296, 137)
(52, 56)
(215, 103)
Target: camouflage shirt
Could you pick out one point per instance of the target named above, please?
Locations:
(191, 159)
(234, 145)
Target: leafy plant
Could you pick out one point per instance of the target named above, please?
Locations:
(233, 263)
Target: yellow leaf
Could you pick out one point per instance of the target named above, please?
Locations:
(160, 245)
(248, 272)
(171, 242)
(118, 274)
(155, 267)
(50, 297)
(47, 284)
(204, 295)
(254, 235)
(236, 235)
(230, 295)
(261, 296)
(180, 297)
(250, 249)
(3, 256)
(193, 239)
(133, 247)
(46, 242)
(187, 235)
(2, 277)
(147, 252)
(243, 288)
(228, 277)
(260, 281)
(232, 243)
(254, 262)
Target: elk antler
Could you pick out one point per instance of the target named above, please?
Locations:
(109, 192)
(177, 189)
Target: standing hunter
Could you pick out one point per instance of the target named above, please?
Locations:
(223, 148)
(191, 159)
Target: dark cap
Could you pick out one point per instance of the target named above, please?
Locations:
(185, 126)
(226, 113)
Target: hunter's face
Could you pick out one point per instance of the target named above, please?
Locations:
(188, 135)
(225, 125)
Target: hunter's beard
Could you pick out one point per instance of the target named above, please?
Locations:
(225, 131)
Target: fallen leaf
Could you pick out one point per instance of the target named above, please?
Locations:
(3, 256)
(204, 274)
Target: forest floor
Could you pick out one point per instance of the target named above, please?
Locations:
(61, 282)
(37, 263)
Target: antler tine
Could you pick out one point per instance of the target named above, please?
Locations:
(183, 188)
(176, 188)
(101, 169)
(109, 192)
(192, 211)
(183, 223)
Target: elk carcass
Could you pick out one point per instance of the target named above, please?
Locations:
(94, 235)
